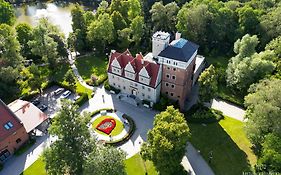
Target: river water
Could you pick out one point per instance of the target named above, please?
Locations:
(57, 14)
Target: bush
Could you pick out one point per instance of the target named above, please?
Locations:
(128, 135)
(164, 102)
(103, 109)
(110, 88)
(25, 147)
(1, 166)
(199, 113)
(83, 98)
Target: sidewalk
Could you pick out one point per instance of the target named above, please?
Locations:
(228, 109)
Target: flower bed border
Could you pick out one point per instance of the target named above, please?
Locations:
(107, 130)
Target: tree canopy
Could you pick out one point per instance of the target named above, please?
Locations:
(8, 14)
(167, 141)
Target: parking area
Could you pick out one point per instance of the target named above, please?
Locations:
(49, 101)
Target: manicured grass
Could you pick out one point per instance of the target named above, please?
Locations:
(135, 166)
(117, 130)
(36, 168)
(81, 89)
(228, 142)
(93, 64)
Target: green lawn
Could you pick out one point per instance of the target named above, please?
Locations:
(36, 168)
(134, 166)
(228, 142)
(117, 130)
(88, 65)
(82, 89)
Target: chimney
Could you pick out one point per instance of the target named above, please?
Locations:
(178, 36)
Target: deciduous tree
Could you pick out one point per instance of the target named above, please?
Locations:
(167, 141)
(208, 84)
(68, 154)
(70, 79)
(24, 34)
(7, 14)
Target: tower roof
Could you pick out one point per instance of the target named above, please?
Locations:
(181, 50)
(161, 35)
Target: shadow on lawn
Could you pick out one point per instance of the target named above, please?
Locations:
(228, 158)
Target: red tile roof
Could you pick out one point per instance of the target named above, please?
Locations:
(138, 63)
(6, 115)
(29, 114)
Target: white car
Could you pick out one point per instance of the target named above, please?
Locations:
(66, 94)
(58, 91)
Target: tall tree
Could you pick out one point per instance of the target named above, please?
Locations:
(10, 61)
(118, 21)
(68, 154)
(247, 67)
(24, 34)
(124, 38)
(105, 160)
(263, 110)
(138, 29)
(70, 79)
(102, 30)
(134, 9)
(164, 16)
(43, 45)
(167, 141)
(7, 14)
(35, 78)
(208, 84)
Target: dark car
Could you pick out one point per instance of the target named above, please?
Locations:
(35, 102)
(43, 107)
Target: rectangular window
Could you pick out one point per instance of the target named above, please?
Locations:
(18, 140)
(142, 87)
(6, 127)
(124, 87)
(167, 93)
(168, 68)
(175, 69)
(173, 86)
(148, 89)
(173, 77)
(148, 97)
(172, 94)
(112, 76)
(10, 124)
(167, 75)
(167, 84)
(114, 84)
(143, 94)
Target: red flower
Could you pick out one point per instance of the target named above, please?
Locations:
(107, 125)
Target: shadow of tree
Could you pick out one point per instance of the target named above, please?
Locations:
(228, 158)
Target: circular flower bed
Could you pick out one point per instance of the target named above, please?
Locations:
(107, 125)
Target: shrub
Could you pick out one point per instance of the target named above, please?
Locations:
(164, 102)
(110, 88)
(128, 135)
(83, 98)
(199, 113)
(1, 166)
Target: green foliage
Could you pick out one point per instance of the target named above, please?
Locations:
(199, 113)
(25, 147)
(70, 79)
(164, 102)
(124, 37)
(10, 62)
(8, 14)
(109, 88)
(69, 152)
(166, 142)
(83, 98)
(105, 160)
(101, 31)
(163, 17)
(270, 160)
(247, 67)
(208, 84)
(248, 19)
(137, 29)
(263, 110)
(275, 45)
(24, 34)
(43, 45)
(118, 21)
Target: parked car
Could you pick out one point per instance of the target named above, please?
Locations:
(58, 91)
(66, 94)
(36, 102)
(43, 107)
(77, 97)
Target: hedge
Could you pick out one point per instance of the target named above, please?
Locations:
(110, 88)
(128, 135)
(199, 113)
(83, 98)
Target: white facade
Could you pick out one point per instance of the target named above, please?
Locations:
(142, 91)
(160, 40)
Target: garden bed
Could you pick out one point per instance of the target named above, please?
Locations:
(117, 129)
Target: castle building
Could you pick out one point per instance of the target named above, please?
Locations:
(169, 70)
